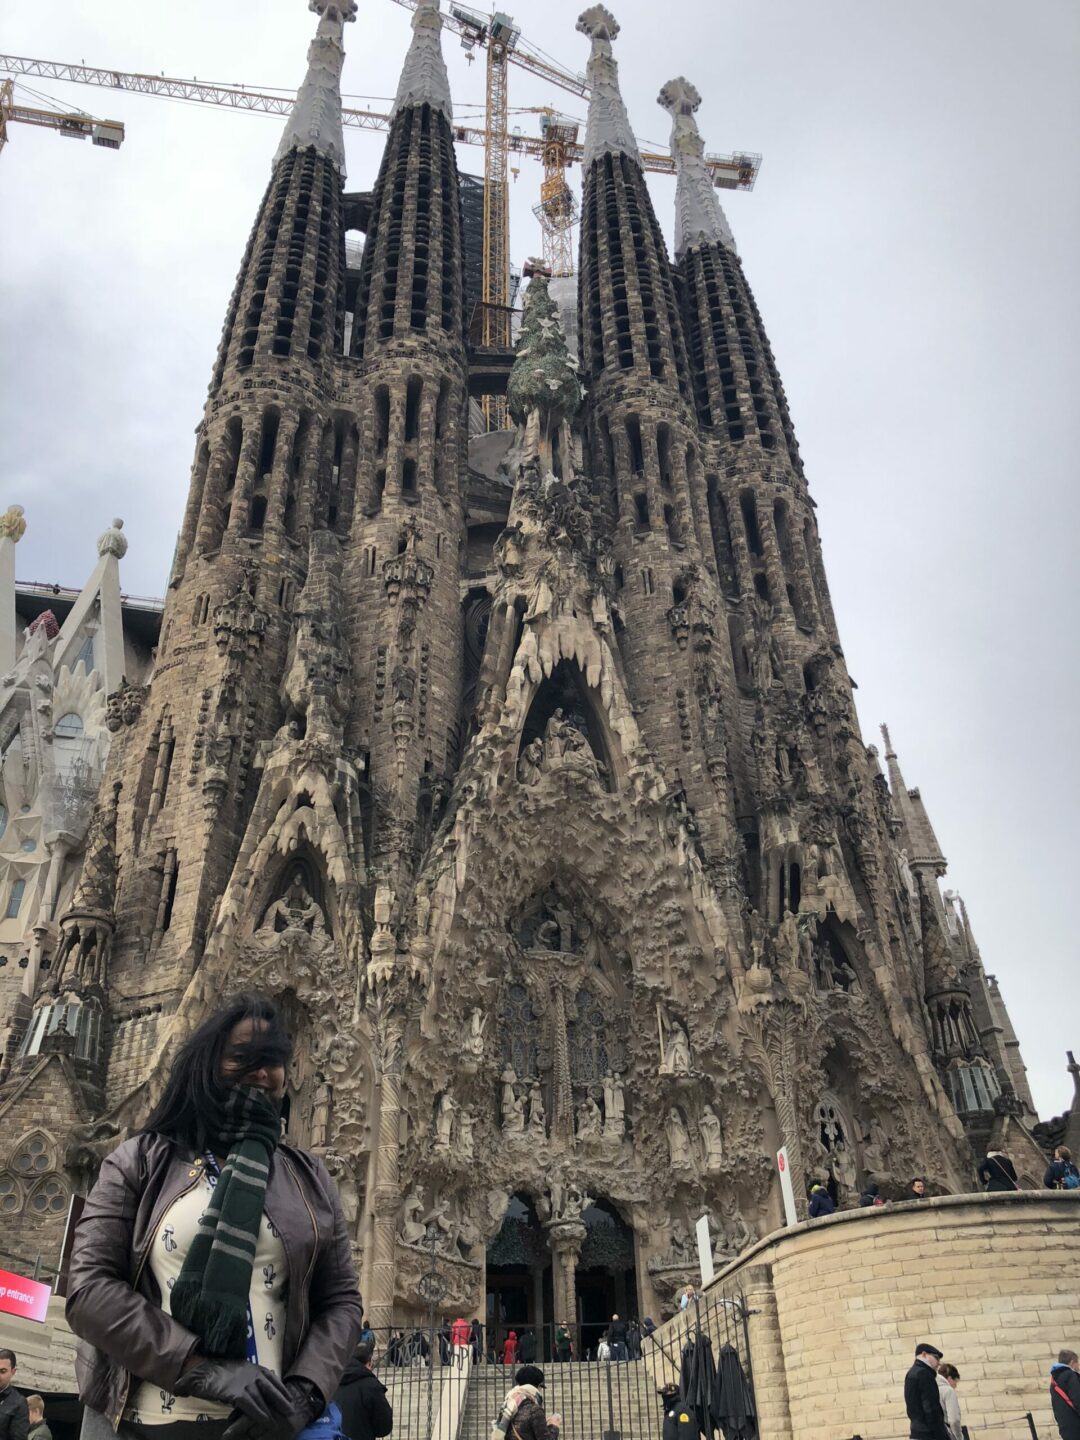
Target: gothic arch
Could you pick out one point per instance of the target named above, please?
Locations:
(564, 695)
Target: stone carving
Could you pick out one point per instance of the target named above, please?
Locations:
(699, 218)
(320, 1115)
(588, 1120)
(113, 541)
(13, 524)
(466, 1139)
(445, 1112)
(513, 1108)
(124, 705)
(473, 1043)
(565, 1203)
(678, 1141)
(614, 1108)
(676, 1051)
(413, 1229)
(537, 1122)
(531, 763)
(712, 1137)
(296, 910)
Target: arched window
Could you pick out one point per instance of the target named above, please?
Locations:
(518, 1030)
(15, 898)
(586, 1033)
(69, 726)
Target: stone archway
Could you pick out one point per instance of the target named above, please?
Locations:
(605, 1280)
(519, 1288)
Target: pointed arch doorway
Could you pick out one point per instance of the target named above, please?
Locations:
(519, 1278)
(605, 1281)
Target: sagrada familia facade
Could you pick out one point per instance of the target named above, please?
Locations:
(523, 770)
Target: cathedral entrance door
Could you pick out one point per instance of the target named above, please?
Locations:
(519, 1276)
(605, 1279)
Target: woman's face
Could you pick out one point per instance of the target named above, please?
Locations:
(242, 1043)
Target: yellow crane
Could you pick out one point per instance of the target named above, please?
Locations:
(73, 126)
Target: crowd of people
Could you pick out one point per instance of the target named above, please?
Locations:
(931, 1395)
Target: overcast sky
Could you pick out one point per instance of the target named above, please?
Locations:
(912, 243)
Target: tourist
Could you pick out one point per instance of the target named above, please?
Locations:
(633, 1340)
(365, 1411)
(460, 1339)
(617, 1334)
(444, 1342)
(476, 1340)
(395, 1350)
(603, 1348)
(918, 1189)
(509, 1350)
(523, 1408)
(947, 1377)
(998, 1173)
(921, 1395)
(180, 1341)
(1061, 1173)
(688, 1295)
(648, 1327)
(1064, 1394)
(564, 1347)
(870, 1196)
(821, 1202)
(35, 1406)
(526, 1350)
(14, 1418)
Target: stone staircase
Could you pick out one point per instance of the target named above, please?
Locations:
(578, 1391)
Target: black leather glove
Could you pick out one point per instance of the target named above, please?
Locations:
(304, 1403)
(256, 1392)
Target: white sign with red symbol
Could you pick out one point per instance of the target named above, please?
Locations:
(26, 1298)
(791, 1215)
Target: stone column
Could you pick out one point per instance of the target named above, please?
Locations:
(387, 1201)
(767, 1354)
(566, 1238)
(12, 529)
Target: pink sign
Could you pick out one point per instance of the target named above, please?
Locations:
(19, 1296)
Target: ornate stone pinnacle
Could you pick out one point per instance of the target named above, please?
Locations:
(699, 220)
(12, 524)
(423, 76)
(679, 97)
(598, 23)
(340, 10)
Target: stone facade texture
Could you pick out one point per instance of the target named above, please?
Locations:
(527, 776)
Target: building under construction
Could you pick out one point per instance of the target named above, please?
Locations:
(522, 767)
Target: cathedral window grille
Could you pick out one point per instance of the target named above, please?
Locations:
(519, 1026)
(413, 393)
(586, 1034)
(637, 452)
(234, 436)
(267, 444)
(10, 1194)
(761, 585)
(382, 419)
(641, 508)
(672, 524)
(721, 536)
(169, 881)
(36, 1032)
(49, 1198)
(408, 478)
(201, 610)
(15, 899)
(69, 726)
(85, 657)
(647, 583)
(833, 1129)
(34, 1157)
(663, 455)
(165, 747)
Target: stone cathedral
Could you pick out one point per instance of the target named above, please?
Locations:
(521, 767)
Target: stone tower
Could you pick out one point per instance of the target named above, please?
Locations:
(525, 774)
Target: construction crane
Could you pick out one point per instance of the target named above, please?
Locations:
(74, 126)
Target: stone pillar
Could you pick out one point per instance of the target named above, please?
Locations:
(12, 529)
(767, 1354)
(566, 1239)
(380, 1306)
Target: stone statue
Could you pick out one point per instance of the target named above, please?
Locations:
(677, 1054)
(712, 1137)
(444, 1121)
(614, 1107)
(12, 524)
(320, 1115)
(847, 1175)
(589, 1118)
(513, 1107)
(473, 1044)
(466, 1126)
(531, 763)
(296, 910)
(413, 1229)
(874, 1147)
(678, 1141)
(567, 1203)
(537, 1125)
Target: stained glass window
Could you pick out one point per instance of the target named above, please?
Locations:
(518, 1032)
(587, 1036)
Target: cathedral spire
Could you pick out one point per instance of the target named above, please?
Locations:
(423, 76)
(699, 219)
(919, 833)
(315, 121)
(607, 130)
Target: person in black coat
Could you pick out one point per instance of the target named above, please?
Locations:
(821, 1202)
(526, 1349)
(921, 1395)
(998, 1173)
(366, 1413)
(1065, 1394)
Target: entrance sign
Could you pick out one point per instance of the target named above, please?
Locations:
(791, 1215)
(704, 1251)
(28, 1299)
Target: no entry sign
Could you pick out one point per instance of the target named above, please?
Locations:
(26, 1298)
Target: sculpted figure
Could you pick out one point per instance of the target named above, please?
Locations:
(412, 1225)
(296, 910)
(677, 1056)
(678, 1141)
(588, 1126)
(614, 1107)
(444, 1121)
(537, 1125)
(320, 1116)
(531, 763)
(466, 1125)
(846, 1170)
(712, 1137)
(553, 737)
(513, 1107)
(473, 1044)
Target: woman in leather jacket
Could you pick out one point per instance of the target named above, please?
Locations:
(211, 1281)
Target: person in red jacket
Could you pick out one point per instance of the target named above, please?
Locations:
(510, 1349)
(460, 1335)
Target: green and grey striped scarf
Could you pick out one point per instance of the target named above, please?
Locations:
(210, 1296)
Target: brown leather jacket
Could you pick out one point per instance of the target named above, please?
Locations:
(113, 1303)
